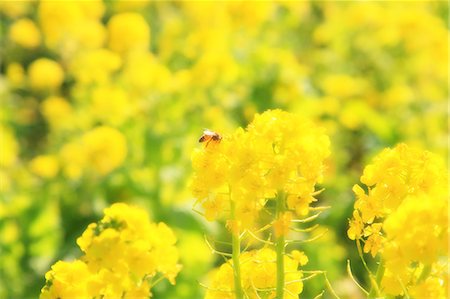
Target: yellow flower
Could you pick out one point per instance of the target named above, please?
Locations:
(46, 166)
(283, 224)
(258, 268)
(45, 74)
(9, 148)
(128, 31)
(122, 253)
(105, 149)
(408, 198)
(73, 160)
(111, 105)
(15, 74)
(16, 9)
(300, 257)
(67, 280)
(25, 33)
(57, 111)
(71, 25)
(279, 151)
(356, 226)
(95, 66)
(342, 86)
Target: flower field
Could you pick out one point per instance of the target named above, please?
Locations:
(223, 149)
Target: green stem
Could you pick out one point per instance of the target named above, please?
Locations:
(280, 247)
(236, 248)
(375, 291)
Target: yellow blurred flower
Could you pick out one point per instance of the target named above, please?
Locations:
(105, 149)
(9, 148)
(57, 111)
(128, 31)
(342, 86)
(25, 33)
(73, 160)
(111, 105)
(95, 66)
(70, 25)
(45, 74)
(46, 166)
(15, 74)
(16, 9)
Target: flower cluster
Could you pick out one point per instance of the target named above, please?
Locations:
(404, 217)
(278, 152)
(258, 269)
(124, 256)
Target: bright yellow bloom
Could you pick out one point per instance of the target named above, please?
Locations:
(46, 166)
(45, 74)
(25, 33)
(404, 217)
(300, 257)
(278, 152)
(67, 280)
(258, 269)
(122, 253)
(128, 31)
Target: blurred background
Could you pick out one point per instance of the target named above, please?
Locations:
(104, 101)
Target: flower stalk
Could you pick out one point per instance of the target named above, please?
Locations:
(236, 251)
(280, 247)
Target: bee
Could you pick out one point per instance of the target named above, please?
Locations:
(210, 136)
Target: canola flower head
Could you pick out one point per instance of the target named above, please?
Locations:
(258, 269)
(45, 166)
(128, 31)
(69, 26)
(278, 151)
(100, 150)
(45, 74)
(123, 253)
(404, 217)
(105, 147)
(57, 111)
(25, 33)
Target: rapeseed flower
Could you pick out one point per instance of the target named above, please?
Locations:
(45, 74)
(58, 112)
(278, 152)
(105, 148)
(128, 31)
(124, 253)
(25, 33)
(100, 151)
(403, 218)
(45, 166)
(71, 26)
(259, 276)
